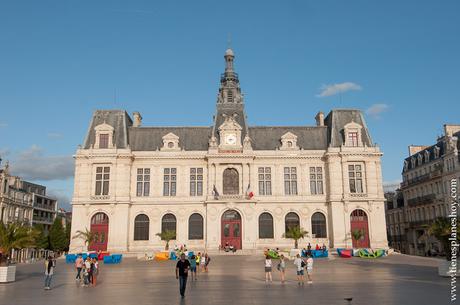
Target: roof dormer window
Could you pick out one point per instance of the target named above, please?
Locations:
(352, 132)
(104, 136)
(170, 142)
(289, 141)
(427, 156)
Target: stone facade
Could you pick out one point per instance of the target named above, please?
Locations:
(424, 192)
(147, 179)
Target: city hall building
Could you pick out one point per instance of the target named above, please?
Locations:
(228, 183)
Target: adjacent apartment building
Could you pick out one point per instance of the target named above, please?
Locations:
(424, 194)
(25, 202)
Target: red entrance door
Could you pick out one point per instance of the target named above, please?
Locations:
(100, 227)
(359, 222)
(231, 229)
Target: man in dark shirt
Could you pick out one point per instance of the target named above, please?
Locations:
(182, 267)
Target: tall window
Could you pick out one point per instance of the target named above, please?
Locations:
(265, 225)
(143, 182)
(231, 182)
(292, 220)
(318, 225)
(265, 181)
(316, 180)
(290, 181)
(141, 227)
(355, 177)
(196, 181)
(353, 138)
(168, 223)
(169, 182)
(104, 140)
(195, 226)
(102, 180)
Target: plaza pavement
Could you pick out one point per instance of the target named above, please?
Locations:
(237, 279)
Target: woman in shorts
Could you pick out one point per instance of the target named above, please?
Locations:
(282, 268)
(268, 269)
(193, 267)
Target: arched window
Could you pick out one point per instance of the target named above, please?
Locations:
(291, 220)
(141, 227)
(318, 225)
(168, 223)
(195, 226)
(265, 225)
(99, 219)
(231, 182)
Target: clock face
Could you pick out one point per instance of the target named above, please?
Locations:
(230, 139)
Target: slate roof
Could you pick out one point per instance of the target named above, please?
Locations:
(338, 118)
(118, 119)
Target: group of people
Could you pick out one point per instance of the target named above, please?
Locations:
(89, 268)
(192, 264)
(300, 263)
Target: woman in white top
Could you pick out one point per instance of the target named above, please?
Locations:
(309, 269)
(282, 268)
(299, 263)
(203, 263)
(268, 269)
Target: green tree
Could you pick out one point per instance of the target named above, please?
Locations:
(57, 235)
(295, 233)
(42, 241)
(441, 228)
(15, 236)
(87, 236)
(167, 235)
(67, 234)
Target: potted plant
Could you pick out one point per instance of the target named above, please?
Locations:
(167, 236)
(87, 236)
(295, 233)
(17, 237)
(441, 229)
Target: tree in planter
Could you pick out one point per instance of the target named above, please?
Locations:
(357, 235)
(15, 236)
(295, 233)
(87, 236)
(441, 228)
(57, 235)
(167, 236)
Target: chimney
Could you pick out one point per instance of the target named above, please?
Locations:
(137, 119)
(320, 119)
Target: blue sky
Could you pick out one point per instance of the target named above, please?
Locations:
(60, 60)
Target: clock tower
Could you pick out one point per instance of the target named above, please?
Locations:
(230, 129)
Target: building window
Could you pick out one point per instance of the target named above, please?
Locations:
(195, 226)
(169, 182)
(103, 140)
(291, 221)
(143, 182)
(168, 223)
(231, 182)
(266, 225)
(265, 181)
(290, 181)
(355, 177)
(318, 225)
(196, 181)
(353, 138)
(141, 227)
(102, 180)
(316, 180)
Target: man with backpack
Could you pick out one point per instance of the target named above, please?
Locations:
(300, 264)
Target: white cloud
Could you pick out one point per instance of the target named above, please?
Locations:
(54, 135)
(333, 89)
(32, 164)
(62, 198)
(377, 109)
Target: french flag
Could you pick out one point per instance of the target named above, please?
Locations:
(249, 193)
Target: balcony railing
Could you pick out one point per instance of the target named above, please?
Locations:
(434, 174)
(427, 199)
(43, 219)
(44, 206)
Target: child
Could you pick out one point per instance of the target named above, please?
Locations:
(309, 269)
(193, 266)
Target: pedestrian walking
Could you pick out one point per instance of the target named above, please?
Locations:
(94, 270)
(50, 264)
(268, 269)
(282, 268)
(203, 263)
(182, 268)
(300, 264)
(207, 260)
(309, 269)
(193, 266)
(198, 261)
(79, 267)
(86, 272)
